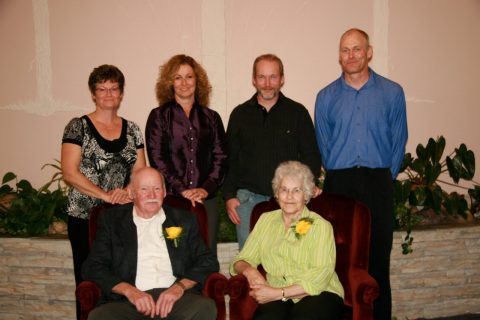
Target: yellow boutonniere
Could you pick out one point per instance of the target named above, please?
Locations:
(174, 233)
(302, 227)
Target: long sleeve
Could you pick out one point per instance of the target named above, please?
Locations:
(159, 148)
(309, 152)
(191, 259)
(230, 186)
(398, 124)
(113, 256)
(322, 128)
(218, 154)
(308, 261)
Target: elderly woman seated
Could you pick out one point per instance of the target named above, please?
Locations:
(296, 248)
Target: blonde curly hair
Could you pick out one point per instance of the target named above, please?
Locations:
(164, 86)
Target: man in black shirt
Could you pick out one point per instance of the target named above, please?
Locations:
(263, 132)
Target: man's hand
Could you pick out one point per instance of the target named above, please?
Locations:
(316, 192)
(232, 205)
(141, 300)
(167, 299)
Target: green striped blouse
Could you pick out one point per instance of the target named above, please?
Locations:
(308, 261)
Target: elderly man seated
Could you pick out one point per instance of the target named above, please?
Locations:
(149, 260)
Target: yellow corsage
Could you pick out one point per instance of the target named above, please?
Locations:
(302, 227)
(174, 233)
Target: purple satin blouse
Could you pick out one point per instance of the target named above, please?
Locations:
(190, 152)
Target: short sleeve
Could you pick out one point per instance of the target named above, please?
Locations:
(73, 132)
(137, 134)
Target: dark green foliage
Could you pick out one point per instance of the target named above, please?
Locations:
(29, 211)
(422, 187)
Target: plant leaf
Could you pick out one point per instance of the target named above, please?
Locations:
(9, 176)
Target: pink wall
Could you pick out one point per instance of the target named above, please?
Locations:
(49, 47)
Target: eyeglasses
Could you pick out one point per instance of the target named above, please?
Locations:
(294, 191)
(104, 91)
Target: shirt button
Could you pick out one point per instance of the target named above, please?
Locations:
(190, 182)
(191, 161)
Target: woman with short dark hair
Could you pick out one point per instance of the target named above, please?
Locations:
(99, 152)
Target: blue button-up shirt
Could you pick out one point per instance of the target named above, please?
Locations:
(366, 127)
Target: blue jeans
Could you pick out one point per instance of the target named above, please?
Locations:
(248, 200)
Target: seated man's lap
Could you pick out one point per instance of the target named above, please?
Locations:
(190, 306)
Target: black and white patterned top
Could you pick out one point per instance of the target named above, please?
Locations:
(105, 163)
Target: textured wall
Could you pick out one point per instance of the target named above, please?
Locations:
(440, 278)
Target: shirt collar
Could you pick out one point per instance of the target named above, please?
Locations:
(370, 83)
(254, 101)
(305, 213)
(159, 215)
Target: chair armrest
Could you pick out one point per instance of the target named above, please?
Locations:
(88, 294)
(215, 288)
(242, 305)
(364, 291)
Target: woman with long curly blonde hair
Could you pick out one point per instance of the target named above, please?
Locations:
(185, 139)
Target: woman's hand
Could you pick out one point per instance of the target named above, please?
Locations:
(263, 293)
(195, 195)
(118, 196)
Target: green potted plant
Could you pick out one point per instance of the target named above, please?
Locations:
(421, 188)
(26, 211)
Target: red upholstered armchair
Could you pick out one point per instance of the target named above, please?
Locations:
(88, 293)
(351, 224)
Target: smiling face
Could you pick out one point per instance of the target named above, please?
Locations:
(148, 191)
(184, 83)
(268, 81)
(354, 53)
(107, 95)
(291, 196)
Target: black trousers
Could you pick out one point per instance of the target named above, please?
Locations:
(326, 306)
(191, 305)
(78, 236)
(374, 188)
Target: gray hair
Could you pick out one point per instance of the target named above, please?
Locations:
(295, 170)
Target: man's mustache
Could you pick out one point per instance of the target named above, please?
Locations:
(152, 201)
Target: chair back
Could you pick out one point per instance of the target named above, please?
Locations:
(350, 220)
(199, 211)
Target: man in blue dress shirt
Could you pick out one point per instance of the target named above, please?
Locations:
(361, 130)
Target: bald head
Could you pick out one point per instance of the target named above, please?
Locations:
(141, 173)
(359, 32)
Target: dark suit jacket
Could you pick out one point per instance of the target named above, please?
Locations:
(113, 256)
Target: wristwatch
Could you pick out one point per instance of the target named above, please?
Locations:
(284, 299)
